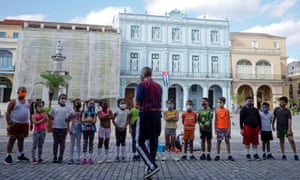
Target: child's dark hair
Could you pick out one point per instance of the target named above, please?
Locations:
(75, 100)
(249, 97)
(170, 101)
(205, 99)
(284, 99)
(121, 99)
(39, 102)
(189, 102)
(222, 99)
(266, 104)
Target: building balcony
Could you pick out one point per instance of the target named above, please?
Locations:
(200, 75)
(7, 69)
(259, 77)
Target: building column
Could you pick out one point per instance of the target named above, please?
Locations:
(164, 97)
(205, 92)
(185, 96)
(122, 87)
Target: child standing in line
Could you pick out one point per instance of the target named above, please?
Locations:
(266, 130)
(120, 124)
(205, 117)
(189, 119)
(223, 128)
(133, 116)
(284, 126)
(171, 118)
(88, 128)
(75, 131)
(39, 119)
(105, 116)
(60, 116)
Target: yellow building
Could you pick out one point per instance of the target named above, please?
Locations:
(259, 67)
(9, 36)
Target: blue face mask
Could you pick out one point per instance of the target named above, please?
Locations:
(249, 104)
(170, 106)
(91, 107)
(265, 110)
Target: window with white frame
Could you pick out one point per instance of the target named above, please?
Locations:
(135, 32)
(254, 44)
(215, 64)
(155, 62)
(175, 63)
(244, 69)
(263, 69)
(195, 35)
(195, 65)
(276, 44)
(214, 36)
(175, 34)
(134, 59)
(156, 33)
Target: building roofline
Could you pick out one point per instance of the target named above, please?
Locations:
(256, 34)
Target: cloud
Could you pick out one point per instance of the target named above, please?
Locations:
(289, 60)
(223, 8)
(278, 8)
(100, 17)
(36, 17)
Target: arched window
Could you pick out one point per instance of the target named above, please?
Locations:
(5, 59)
(244, 69)
(263, 70)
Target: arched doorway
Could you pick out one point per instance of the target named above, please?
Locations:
(175, 92)
(130, 93)
(264, 94)
(214, 92)
(195, 94)
(5, 89)
(242, 93)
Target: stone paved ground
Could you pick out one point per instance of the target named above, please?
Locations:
(240, 169)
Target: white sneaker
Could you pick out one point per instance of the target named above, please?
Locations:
(100, 160)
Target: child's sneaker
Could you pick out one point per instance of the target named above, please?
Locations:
(283, 157)
(217, 158)
(230, 158)
(83, 161)
(8, 160)
(34, 161)
(91, 161)
(22, 158)
(70, 161)
(138, 158)
(270, 156)
(248, 157)
(202, 157)
(264, 156)
(60, 160)
(192, 157)
(123, 159)
(296, 157)
(183, 158)
(41, 161)
(117, 159)
(108, 159)
(54, 160)
(77, 161)
(208, 157)
(256, 157)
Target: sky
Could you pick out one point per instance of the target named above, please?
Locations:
(277, 17)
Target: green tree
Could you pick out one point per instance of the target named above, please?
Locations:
(238, 98)
(53, 81)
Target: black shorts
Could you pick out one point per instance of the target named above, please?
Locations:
(206, 135)
(266, 135)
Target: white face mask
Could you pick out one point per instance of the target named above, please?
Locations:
(189, 107)
(123, 106)
(63, 101)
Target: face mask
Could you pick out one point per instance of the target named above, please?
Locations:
(78, 106)
(141, 78)
(189, 107)
(123, 106)
(282, 105)
(22, 94)
(249, 104)
(62, 102)
(40, 109)
(170, 106)
(91, 107)
(265, 110)
(104, 106)
(204, 104)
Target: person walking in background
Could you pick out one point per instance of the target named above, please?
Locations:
(17, 119)
(60, 115)
(75, 131)
(223, 128)
(250, 125)
(283, 119)
(148, 99)
(205, 117)
(39, 119)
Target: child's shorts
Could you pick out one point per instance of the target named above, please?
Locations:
(266, 135)
(104, 133)
(170, 131)
(222, 133)
(282, 133)
(188, 135)
(250, 135)
(206, 134)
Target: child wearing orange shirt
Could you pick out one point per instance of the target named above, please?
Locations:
(189, 119)
(222, 127)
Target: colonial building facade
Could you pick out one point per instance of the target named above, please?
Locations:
(9, 36)
(294, 77)
(259, 67)
(192, 53)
